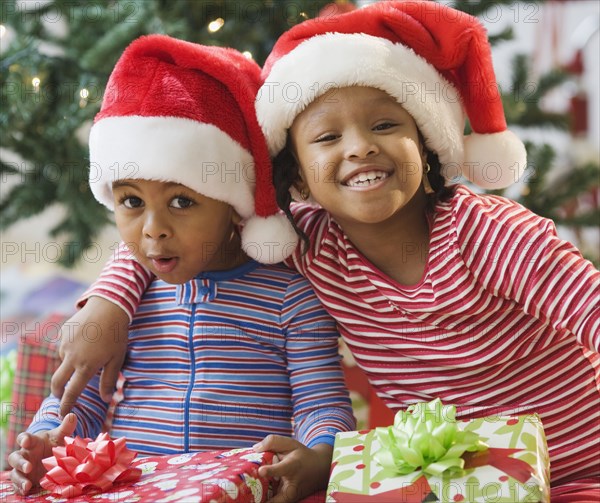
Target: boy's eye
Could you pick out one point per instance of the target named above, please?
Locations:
(131, 202)
(383, 126)
(181, 202)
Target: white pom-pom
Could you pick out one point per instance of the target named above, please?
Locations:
(494, 161)
(269, 240)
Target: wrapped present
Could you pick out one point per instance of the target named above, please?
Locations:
(219, 476)
(493, 459)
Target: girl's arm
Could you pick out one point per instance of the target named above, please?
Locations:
(90, 410)
(96, 336)
(518, 255)
(559, 285)
(314, 222)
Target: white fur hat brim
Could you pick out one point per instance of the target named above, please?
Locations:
(333, 60)
(198, 155)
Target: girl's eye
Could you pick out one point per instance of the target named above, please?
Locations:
(131, 202)
(325, 138)
(181, 202)
(383, 126)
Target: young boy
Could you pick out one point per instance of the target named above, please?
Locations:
(223, 351)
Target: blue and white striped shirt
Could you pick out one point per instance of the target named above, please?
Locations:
(220, 362)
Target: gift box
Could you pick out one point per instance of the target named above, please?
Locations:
(220, 476)
(514, 468)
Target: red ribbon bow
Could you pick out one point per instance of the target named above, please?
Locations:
(83, 465)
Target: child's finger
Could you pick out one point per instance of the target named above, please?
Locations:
(277, 469)
(108, 379)
(26, 440)
(60, 378)
(19, 462)
(67, 427)
(276, 443)
(74, 388)
(22, 484)
(286, 493)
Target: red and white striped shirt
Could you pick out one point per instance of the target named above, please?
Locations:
(505, 320)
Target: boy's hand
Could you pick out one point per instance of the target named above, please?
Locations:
(302, 471)
(94, 338)
(27, 461)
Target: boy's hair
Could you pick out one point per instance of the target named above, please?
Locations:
(286, 172)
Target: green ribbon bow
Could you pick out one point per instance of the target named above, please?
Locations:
(8, 362)
(428, 437)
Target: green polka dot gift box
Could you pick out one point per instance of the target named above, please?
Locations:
(427, 455)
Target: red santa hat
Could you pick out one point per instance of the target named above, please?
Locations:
(181, 112)
(434, 60)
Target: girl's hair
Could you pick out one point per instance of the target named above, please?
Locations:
(441, 192)
(286, 171)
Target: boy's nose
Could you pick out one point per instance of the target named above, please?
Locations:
(155, 227)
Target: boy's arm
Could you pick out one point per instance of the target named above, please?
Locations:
(49, 429)
(96, 336)
(26, 462)
(320, 398)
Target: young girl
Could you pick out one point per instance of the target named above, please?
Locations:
(222, 350)
(438, 291)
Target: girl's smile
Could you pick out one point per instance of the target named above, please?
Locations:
(366, 178)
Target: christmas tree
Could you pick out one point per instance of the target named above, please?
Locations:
(57, 55)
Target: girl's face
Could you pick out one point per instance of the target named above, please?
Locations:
(174, 231)
(359, 154)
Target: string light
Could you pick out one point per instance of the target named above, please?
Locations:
(83, 93)
(2, 30)
(216, 25)
(248, 54)
(35, 81)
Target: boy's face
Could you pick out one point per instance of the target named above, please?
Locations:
(359, 154)
(174, 231)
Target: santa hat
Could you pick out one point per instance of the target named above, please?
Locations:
(434, 60)
(181, 112)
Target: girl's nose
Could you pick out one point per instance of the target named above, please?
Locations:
(156, 227)
(360, 145)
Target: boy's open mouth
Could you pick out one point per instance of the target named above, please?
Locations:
(164, 264)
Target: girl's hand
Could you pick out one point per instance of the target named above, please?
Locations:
(27, 461)
(302, 471)
(94, 338)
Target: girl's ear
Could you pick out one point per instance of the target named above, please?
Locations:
(424, 151)
(300, 184)
(235, 217)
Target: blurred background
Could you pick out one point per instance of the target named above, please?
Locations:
(56, 56)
